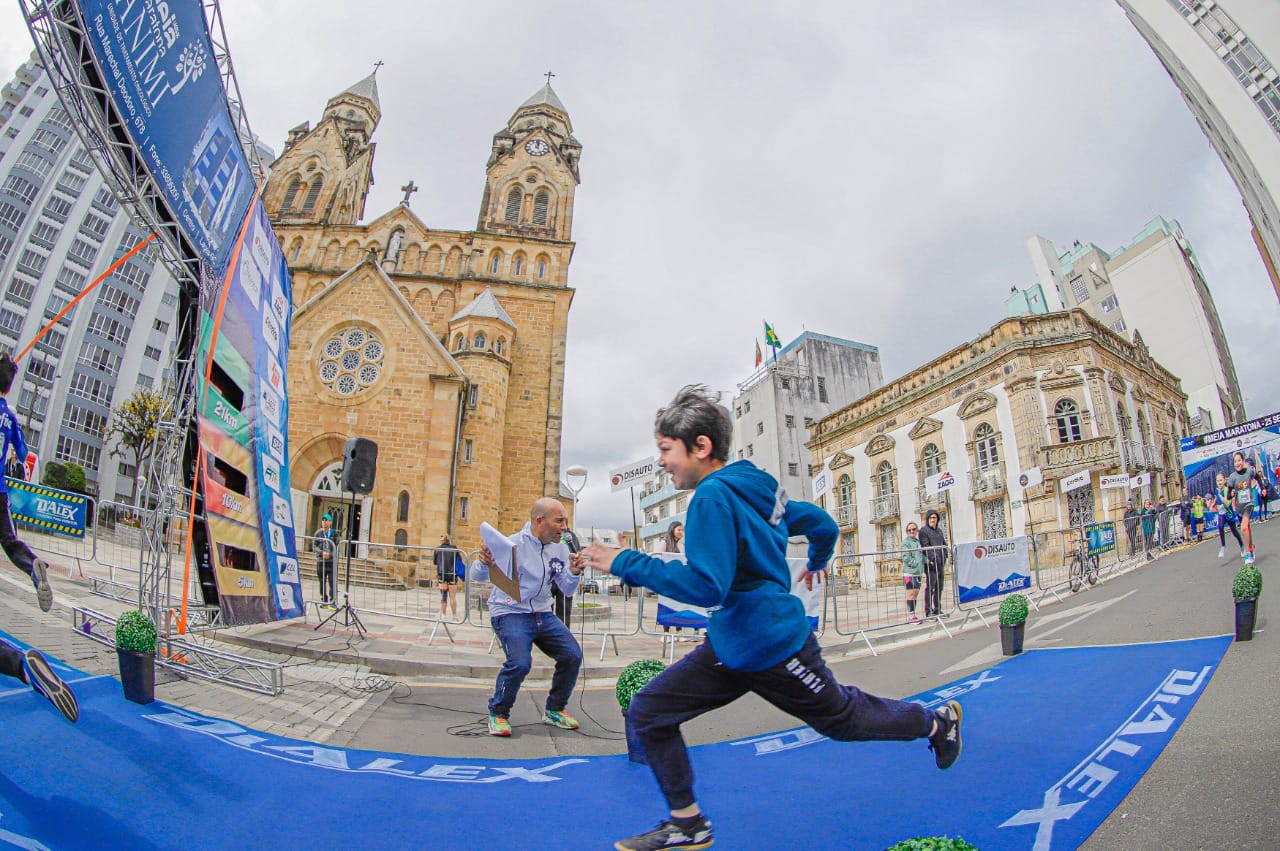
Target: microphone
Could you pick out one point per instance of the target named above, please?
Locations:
(570, 540)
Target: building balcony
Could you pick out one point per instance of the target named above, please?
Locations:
(987, 482)
(1062, 459)
(926, 500)
(884, 508)
(846, 516)
(1141, 456)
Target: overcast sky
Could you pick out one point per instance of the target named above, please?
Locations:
(867, 171)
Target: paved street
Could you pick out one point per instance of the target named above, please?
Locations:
(1216, 786)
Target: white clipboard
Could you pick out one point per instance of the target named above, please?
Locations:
(504, 557)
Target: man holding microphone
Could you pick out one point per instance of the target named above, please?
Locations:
(540, 561)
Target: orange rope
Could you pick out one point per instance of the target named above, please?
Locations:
(83, 293)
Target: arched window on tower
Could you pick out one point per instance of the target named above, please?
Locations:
(458, 342)
(313, 195)
(291, 195)
(481, 340)
(402, 507)
(495, 265)
(514, 197)
(1066, 416)
(517, 266)
(540, 203)
(541, 269)
(500, 345)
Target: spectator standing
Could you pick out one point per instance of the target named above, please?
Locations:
(673, 540)
(1197, 517)
(540, 561)
(449, 562)
(912, 569)
(324, 545)
(1148, 526)
(1131, 520)
(934, 544)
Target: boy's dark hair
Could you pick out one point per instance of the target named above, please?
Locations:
(8, 369)
(697, 411)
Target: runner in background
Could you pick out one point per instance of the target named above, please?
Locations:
(1244, 496)
(1226, 516)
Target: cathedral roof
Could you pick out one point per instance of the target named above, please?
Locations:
(366, 88)
(544, 96)
(486, 306)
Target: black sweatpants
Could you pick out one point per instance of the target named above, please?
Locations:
(19, 553)
(933, 589)
(802, 685)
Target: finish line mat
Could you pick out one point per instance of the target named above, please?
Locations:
(1053, 740)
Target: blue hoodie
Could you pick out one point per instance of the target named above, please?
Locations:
(736, 547)
(10, 435)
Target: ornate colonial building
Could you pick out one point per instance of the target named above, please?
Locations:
(1059, 391)
(444, 347)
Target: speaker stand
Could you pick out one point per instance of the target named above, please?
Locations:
(349, 616)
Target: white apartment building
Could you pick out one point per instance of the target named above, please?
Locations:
(776, 405)
(1154, 287)
(61, 228)
(1220, 54)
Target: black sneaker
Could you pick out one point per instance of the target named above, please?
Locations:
(669, 835)
(43, 680)
(945, 743)
(40, 579)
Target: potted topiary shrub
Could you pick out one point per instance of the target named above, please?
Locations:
(933, 843)
(136, 653)
(633, 678)
(1013, 621)
(1245, 588)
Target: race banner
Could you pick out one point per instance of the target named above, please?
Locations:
(991, 568)
(631, 475)
(47, 509)
(1120, 481)
(1075, 481)
(158, 64)
(1100, 537)
(1206, 455)
(243, 417)
(939, 483)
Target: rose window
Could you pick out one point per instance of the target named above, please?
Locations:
(351, 361)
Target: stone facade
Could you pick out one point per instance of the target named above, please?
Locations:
(445, 347)
(1058, 391)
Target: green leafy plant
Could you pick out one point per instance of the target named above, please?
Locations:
(635, 677)
(1013, 610)
(933, 843)
(135, 632)
(1248, 583)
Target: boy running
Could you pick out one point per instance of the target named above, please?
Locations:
(11, 436)
(759, 639)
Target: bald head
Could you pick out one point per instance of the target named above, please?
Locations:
(548, 520)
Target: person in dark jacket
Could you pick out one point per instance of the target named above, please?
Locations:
(934, 544)
(1131, 520)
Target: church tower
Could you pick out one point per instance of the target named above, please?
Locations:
(532, 171)
(324, 175)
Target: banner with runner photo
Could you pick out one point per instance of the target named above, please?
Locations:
(991, 568)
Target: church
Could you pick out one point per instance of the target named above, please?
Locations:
(446, 348)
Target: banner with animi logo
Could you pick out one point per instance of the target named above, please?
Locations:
(991, 568)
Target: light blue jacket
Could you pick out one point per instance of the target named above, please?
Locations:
(538, 565)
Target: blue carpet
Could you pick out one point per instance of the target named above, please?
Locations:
(1053, 740)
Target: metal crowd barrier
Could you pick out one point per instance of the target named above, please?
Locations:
(78, 550)
(866, 594)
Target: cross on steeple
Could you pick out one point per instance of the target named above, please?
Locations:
(408, 189)
(378, 65)
(548, 75)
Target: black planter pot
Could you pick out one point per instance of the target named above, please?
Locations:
(1011, 637)
(137, 675)
(635, 752)
(1246, 617)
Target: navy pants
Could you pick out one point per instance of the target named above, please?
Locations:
(19, 553)
(802, 685)
(518, 633)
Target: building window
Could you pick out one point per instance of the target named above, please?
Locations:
(931, 460)
(1109, 304)
(402, 507)
(514, 198)
(746, 407)
(313, 195)
(751, 451)
(844, 491)
(790, 420)
(350, 361)
(495, 265)
(458, 342)
(517, 266)
(985, 446)
(499, 346)
(152, 352)
(808, 422)
(786, 384)
(468, 450)
(793, 469)
(542, 269)
(1079, 289)
(1066, 416)
(57, 208)
(473, 396)
(759, 428)
(463, 505)
(884, 479)
(481, 340)
(822, 389)
(540, 203)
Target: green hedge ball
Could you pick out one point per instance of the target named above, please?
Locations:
(635, 677)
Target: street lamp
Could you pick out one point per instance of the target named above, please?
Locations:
(580, 473)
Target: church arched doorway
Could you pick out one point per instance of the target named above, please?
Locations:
(350, 519)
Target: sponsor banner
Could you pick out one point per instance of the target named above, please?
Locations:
(1139, 481)
(1101, 538)
(1076, 481)
(158, 65)
(1206, 455)
(243, 432)
(633, 474)
(1029, 478)
(822, 483)
(936, 484)
(1120, 481)
(991, 568)
(48, 509)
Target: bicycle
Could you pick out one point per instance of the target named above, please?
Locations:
(1084, 567)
